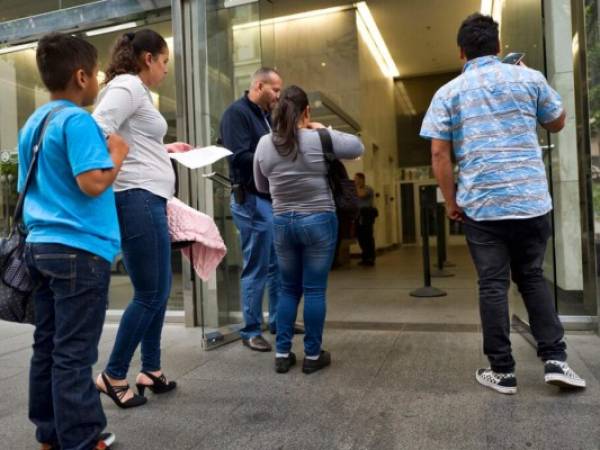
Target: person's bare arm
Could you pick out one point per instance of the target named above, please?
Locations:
(441, 161)
(95, 182)
(557, 124)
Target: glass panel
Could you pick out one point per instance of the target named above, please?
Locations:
(521, 31)
(16, 9)
(22, 92)
(592, 34)
(234, 53)
(165, 99)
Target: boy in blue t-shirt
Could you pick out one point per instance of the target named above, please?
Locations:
(73, 236)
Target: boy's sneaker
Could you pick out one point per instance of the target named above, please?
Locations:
(505, 383)
(312, 365)
(560, 374)
(282, 365)
(105, 441)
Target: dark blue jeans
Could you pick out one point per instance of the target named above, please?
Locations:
(70, 306)
(147, 257)
(500, 248)
(305, 246)
(254, 220)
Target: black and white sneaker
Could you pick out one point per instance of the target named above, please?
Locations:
(505, 383)
(560, 374)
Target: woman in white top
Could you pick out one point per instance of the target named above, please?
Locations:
(142, 188)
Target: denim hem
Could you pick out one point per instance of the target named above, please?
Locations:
(503, 369)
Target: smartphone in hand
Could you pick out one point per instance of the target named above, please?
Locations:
(513, 58)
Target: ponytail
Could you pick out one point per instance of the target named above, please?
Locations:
(127, 53)
(287, 114)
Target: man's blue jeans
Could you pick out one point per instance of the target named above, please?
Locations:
(147, 257)
(254, 220)
(305, 246)
(70, 307)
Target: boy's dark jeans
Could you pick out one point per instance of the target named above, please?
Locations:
(70, 307)
(500, 248)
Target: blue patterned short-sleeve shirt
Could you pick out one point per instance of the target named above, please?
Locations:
(490, 113)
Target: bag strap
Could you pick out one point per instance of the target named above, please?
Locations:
(327, 145)
(33, 165)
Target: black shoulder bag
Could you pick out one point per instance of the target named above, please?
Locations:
(16, 284)
(342, 187)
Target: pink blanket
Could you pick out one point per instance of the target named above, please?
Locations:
(187, 224)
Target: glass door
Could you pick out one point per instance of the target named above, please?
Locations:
(234, 51)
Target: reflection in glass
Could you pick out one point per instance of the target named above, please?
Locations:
(22, 91)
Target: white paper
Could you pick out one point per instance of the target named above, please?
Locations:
(201, 157)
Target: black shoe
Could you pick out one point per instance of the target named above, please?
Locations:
(159, 384)
(560, 374)
(116, 393)
(505, 383)
(257, 343)
(282, 365)
(312, 365)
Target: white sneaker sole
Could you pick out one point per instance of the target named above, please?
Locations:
(110, 440)
(502, 389)
(559, 380)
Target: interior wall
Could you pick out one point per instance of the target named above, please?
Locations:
(412, 97)
(380, 161)
(327, 62)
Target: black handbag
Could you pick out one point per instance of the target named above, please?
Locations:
(342, 188)
(16, 284)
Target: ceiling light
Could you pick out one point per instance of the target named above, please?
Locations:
(486, 7)
(370, 32)
(234, 3)
(303, 15)
(105, 30)
(17, 48)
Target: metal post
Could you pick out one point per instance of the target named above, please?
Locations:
(440, 222)
(427, 290)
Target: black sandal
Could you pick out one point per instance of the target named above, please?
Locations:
(116, 393)
(159, 386)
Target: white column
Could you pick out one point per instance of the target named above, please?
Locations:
(558, 31)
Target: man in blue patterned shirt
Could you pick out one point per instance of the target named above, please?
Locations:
(487, 117)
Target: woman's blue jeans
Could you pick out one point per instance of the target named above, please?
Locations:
(305, 245)
(147, 257)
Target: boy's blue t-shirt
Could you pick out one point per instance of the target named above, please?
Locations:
(56, 210)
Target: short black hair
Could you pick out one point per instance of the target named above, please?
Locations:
(59, 56)
(478, 36)
(360, 175)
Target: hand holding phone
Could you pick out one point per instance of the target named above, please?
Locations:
(513, 58)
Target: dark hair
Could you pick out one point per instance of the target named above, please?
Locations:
(59, 56)
(127, 52)
(478, 36)
(360, 175)
(291, 105)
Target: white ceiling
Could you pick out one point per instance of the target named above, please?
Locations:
(420, 34)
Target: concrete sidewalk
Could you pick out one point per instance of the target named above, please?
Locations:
(385, 390)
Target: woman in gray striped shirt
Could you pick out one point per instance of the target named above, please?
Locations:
(142, 188)
(289, 163)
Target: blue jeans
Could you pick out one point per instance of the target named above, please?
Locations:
(254, 220)
(70, 307)
(305, 246)
(147, 257)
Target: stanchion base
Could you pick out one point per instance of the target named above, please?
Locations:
(428, 291)
(449, 264)
(437, 273)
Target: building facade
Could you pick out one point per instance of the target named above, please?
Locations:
(217, 44)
